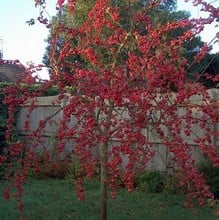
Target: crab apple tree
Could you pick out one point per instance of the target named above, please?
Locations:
(127, 84)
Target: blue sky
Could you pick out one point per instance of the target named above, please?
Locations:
(26, 43)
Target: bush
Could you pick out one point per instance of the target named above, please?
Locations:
(211, 175)
(51, 165)
(158, 182)
(151, 181)
(3, 121)
(2, 171)
(171, 185)
(51, 169)
(73, 170)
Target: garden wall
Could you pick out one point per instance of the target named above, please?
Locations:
(50, 109)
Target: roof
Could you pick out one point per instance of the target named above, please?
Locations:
(11, 71)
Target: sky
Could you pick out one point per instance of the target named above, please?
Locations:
(27, 43)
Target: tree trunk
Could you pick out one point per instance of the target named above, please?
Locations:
(103, 183)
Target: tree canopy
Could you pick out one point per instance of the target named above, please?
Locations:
(166, 12)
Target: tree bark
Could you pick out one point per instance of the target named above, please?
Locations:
(103, 183)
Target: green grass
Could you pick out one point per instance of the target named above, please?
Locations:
(55, 199)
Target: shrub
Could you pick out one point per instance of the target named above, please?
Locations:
(211, 175)
(51, 169)
(151, 181)
(73, 169)
(51, 165)
(158, 182)
(3, 120)
(2, 171)
(171, 185)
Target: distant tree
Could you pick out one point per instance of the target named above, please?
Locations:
(166, 12)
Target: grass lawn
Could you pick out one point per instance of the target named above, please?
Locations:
(55, 199)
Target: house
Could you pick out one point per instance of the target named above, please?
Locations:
(11, 70)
